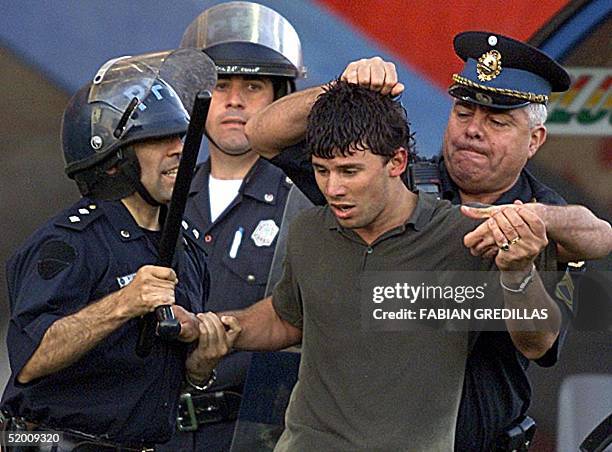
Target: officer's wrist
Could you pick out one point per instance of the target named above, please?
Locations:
(541, 210)
(517, 281)
(198, 383)
(119, 307)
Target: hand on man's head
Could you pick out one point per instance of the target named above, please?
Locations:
(375, 74)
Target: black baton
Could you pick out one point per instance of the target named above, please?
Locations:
(163, 321)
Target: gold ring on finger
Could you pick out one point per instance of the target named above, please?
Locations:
(515, 240)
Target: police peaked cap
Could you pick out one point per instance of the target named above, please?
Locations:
(501, 72)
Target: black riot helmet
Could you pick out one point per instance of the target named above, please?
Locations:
(131, 99)
(245, 38)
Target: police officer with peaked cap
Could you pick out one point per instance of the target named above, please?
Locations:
(500, 75)
(484, 157)
(236, 200)
(80, 283)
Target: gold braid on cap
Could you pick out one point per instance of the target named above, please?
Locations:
(531, 97)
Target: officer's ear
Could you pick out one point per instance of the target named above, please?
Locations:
(398, 162)
(536, 139)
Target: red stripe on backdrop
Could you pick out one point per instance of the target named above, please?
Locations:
(420, 32)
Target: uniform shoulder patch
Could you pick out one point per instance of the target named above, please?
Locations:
(55, 256)
(80, 217)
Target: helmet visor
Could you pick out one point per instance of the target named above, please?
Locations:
(241, 22)
(125, 84)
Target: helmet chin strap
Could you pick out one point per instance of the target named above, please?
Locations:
(225, 151)
(144, 194)
(131, 168)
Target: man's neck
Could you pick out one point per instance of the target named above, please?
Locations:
(145, 215)
(223, 166)
(482, 198)
(400, 210)
(488, 197)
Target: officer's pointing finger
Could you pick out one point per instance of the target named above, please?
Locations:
(479, 213)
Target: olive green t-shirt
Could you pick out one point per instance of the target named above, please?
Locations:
(370, 390)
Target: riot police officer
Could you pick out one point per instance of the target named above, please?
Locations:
(80, 283)
(237, 200)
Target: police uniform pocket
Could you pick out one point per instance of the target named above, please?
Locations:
(252, 265)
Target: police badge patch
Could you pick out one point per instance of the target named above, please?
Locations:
(264, 233)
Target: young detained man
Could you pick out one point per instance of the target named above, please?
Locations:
(359, 389)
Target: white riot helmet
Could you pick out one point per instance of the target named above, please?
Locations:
(245, 38)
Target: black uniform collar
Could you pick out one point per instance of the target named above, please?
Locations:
(121, 220)
(522, 190)
(450, 190)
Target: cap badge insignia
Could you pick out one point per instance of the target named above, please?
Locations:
(489, 65)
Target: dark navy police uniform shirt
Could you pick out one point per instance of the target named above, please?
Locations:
(496, 389)
(496, 386)
(83, 254)
(250, 226)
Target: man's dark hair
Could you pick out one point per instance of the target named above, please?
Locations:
(348, 117)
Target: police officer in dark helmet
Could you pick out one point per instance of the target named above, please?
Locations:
(237, 200)
(79, 284)
(495, 126)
